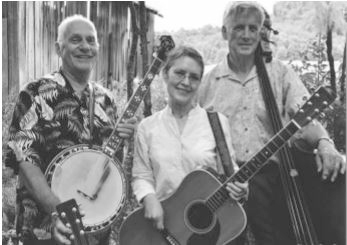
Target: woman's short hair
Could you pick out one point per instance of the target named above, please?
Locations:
(234, 9)
(183, 51)
(68, 20)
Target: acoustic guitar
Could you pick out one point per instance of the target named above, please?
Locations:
(201, 212)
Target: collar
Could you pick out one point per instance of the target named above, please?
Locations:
(69, 87)
(224, 71)
(192, 112)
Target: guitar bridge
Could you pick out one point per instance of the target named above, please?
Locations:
(168, 237)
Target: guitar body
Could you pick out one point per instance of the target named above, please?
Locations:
(187, 220)
(326, 200)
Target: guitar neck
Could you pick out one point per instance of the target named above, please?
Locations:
(250, 168)
(114, 142)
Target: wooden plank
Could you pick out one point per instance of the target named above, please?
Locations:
(52, 35)
(93, 11)
(4, 9)
(120, 20)
(23, 74)
(124, 42)
(12, 41)
(58, 13)
(46, 52)
(30, 39)
(5, 80)
(82, 8)
(37, 39)
(76, 7)
(94, 16)
(113, 19)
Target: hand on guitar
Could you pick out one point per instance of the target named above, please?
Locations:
(329, 160)
(60, 232)
(237, 190)
(126, 129)
(154, 211)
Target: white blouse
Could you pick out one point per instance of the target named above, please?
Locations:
(163, 156)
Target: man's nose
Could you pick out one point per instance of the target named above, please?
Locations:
(246, 33)
(84, 45)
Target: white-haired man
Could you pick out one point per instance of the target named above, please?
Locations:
(233, 88)
(50, 116)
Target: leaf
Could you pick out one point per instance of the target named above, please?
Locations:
(32, 156)
(99, 112)
(30, 118)
(65, 109)
(48, 90)
(47, 111)
(29, 135)
(63, 144)
(23, 151)
(57, 77)
(74, 125)
(86, 130)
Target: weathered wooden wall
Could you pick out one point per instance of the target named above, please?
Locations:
(30, 30)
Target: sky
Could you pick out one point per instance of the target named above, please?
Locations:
(191, 14)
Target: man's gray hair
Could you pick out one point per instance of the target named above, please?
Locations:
(68, 20)
(234, 8)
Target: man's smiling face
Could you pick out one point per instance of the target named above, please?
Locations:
(79, 47)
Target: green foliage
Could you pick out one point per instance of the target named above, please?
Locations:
(315, 74)
(207, 40)
(8, 180)
(7, 111)
(298, 22)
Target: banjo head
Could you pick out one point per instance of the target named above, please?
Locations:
(94, 180)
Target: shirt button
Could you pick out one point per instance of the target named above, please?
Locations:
(246, 129)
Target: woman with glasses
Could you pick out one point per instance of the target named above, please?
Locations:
(177, 140)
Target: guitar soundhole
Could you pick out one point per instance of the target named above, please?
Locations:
(199, 217)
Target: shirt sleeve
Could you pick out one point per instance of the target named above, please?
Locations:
(295, 92)
(143, 182)
(225, 125)
(295, 95)
(25, 138)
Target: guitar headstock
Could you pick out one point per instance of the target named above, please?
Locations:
(315, 105)
(166, 44)
(69, 214)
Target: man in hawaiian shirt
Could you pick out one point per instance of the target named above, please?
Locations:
(52, 113)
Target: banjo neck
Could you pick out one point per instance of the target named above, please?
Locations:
(114, 141)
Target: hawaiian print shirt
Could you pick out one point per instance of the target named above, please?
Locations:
(48, 118)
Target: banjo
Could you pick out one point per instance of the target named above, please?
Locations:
(91, 174)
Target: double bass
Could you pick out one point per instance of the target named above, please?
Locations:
(317, 208)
